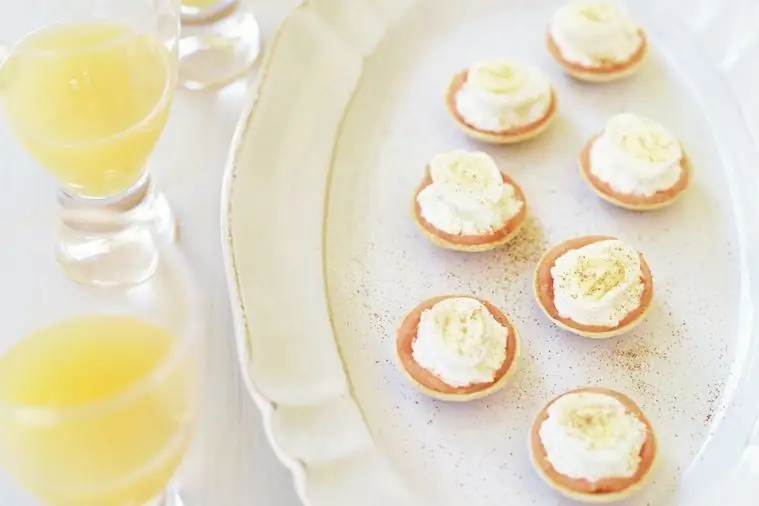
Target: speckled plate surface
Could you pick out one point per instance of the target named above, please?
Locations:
(324, 259)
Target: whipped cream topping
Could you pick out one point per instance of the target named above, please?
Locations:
(502, 95)
(468, 195)
(460, 342)
(636, 156)
(594, 33)
(591, 436)
(598, 284)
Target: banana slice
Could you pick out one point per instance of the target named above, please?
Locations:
(467, 177)
(600, 269)
(644, 139)
(598, 276)
(499, 77)
(597, 12)
(462, 325)
(595, 423)
(650, 146)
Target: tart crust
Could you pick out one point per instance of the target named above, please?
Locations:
(432, 386)
(470, 243)
(603, 73)
(511, 136)
(658, 200)
(606, 490)
(544, 294)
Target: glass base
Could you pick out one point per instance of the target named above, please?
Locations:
(169, 498)
(218, 44)
(111, 242)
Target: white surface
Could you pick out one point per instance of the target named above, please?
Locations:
(232, 464)
(335, 88)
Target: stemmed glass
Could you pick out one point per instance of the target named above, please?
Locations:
(98, 386)
(220, 41)
(86, 87)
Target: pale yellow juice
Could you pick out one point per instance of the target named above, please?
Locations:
(118, 454)
(88, 100)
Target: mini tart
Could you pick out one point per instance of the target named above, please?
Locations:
(511, 136)
(470, 243)
(602, 73)
(656, 201)
(544, 295)
(431, 385)
(606, 490)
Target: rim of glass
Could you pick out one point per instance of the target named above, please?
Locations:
(152, 10)
(192, 330)
(16, 48)
(7, 53)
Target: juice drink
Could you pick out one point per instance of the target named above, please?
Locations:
(96, 411)
(88, 101)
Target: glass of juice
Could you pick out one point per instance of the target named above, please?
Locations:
(220, 41)
(85, 88)
(98, 386)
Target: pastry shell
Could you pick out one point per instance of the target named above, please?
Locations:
(434, 387)
(603, 491)
(470, 243)
(602, 73)
(512, 136)
(544, 294)
(653, 202)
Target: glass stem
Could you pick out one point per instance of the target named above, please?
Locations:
(111, 241)
(218, 43)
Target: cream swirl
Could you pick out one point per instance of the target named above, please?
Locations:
(594, 33)
(598, 284)
(636, 156)
(591, 436)
(468, 195)
(501, 95)
(460, 342)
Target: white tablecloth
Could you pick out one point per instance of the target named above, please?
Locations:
(232, 464)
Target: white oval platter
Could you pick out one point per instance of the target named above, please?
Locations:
(323, 259)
